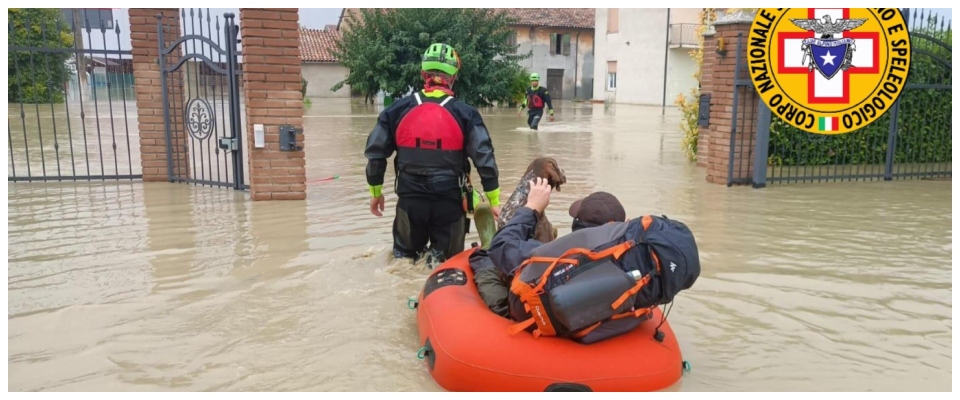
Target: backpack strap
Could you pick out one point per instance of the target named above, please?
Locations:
(417, 96)
(647, 220)
(530, 295)
(635, 314)
(445, 101)
(626, 295)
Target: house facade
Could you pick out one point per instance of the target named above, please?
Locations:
(561, 41)
(319, 67)
(643, 54)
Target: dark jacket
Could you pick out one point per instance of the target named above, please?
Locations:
(543, 93)
(431, 171)
(514, 243)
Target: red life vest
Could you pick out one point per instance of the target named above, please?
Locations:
(535, 100)
(429, 139)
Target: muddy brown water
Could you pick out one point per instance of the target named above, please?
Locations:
(164, 287)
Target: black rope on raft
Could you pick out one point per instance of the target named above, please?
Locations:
(658, 335)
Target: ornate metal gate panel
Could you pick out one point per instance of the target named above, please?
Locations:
(200, 82)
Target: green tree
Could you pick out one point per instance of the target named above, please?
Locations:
(34, 76)
(382, 50)
(519, 85)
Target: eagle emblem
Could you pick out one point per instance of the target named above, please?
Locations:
(820, 53)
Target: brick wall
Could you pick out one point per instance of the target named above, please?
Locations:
(271, 83)
(149, 93)
(713, 147)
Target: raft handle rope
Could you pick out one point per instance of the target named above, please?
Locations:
(412, 303)
(423, 353)
(686, 366)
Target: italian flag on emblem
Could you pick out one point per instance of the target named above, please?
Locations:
(828, 124)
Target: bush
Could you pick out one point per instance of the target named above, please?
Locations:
(35, 77)
(519, 85)
(689, 124)
(690, 106)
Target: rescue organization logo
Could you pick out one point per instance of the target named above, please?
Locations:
(829, 70)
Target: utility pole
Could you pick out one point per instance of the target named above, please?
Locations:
(81, 58)
(666, 56)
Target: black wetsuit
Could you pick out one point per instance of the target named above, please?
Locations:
(535, 113)
(432, 145)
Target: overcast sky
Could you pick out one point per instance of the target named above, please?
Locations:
(943, 12)
(317, 18)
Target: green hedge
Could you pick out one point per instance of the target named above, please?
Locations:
(924, 123)
(37, 77)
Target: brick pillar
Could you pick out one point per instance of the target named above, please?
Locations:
(718, 74)
(149, 92)
(271, 83)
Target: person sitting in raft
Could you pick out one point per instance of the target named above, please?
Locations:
(493, 269)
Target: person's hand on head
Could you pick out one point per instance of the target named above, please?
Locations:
(539, 196)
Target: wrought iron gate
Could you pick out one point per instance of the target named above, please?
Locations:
(743, 118)
(71, 100)
(201, 100)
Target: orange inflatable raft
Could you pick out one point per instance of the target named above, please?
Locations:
(467, 348)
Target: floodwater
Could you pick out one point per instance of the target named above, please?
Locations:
(156, 287)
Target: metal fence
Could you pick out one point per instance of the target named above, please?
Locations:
(911, 140)
(71, 105)
(684, 35)
(743, 129)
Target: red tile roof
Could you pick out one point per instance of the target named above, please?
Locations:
(580, 18)
(317, 45)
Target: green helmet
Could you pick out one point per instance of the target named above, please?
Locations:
(441, 57)
(534, 77)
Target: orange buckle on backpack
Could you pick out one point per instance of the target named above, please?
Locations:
(636, 313)
(530, 295)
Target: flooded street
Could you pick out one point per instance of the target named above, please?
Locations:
(166, 287)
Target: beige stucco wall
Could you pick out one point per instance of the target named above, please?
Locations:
(321, 77)
(577, 67)
(639, 48)
(685, 15)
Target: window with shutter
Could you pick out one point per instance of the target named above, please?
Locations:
(613, 20)
(566, 44)
(512, 42)
(553, 43)
(611, 76)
